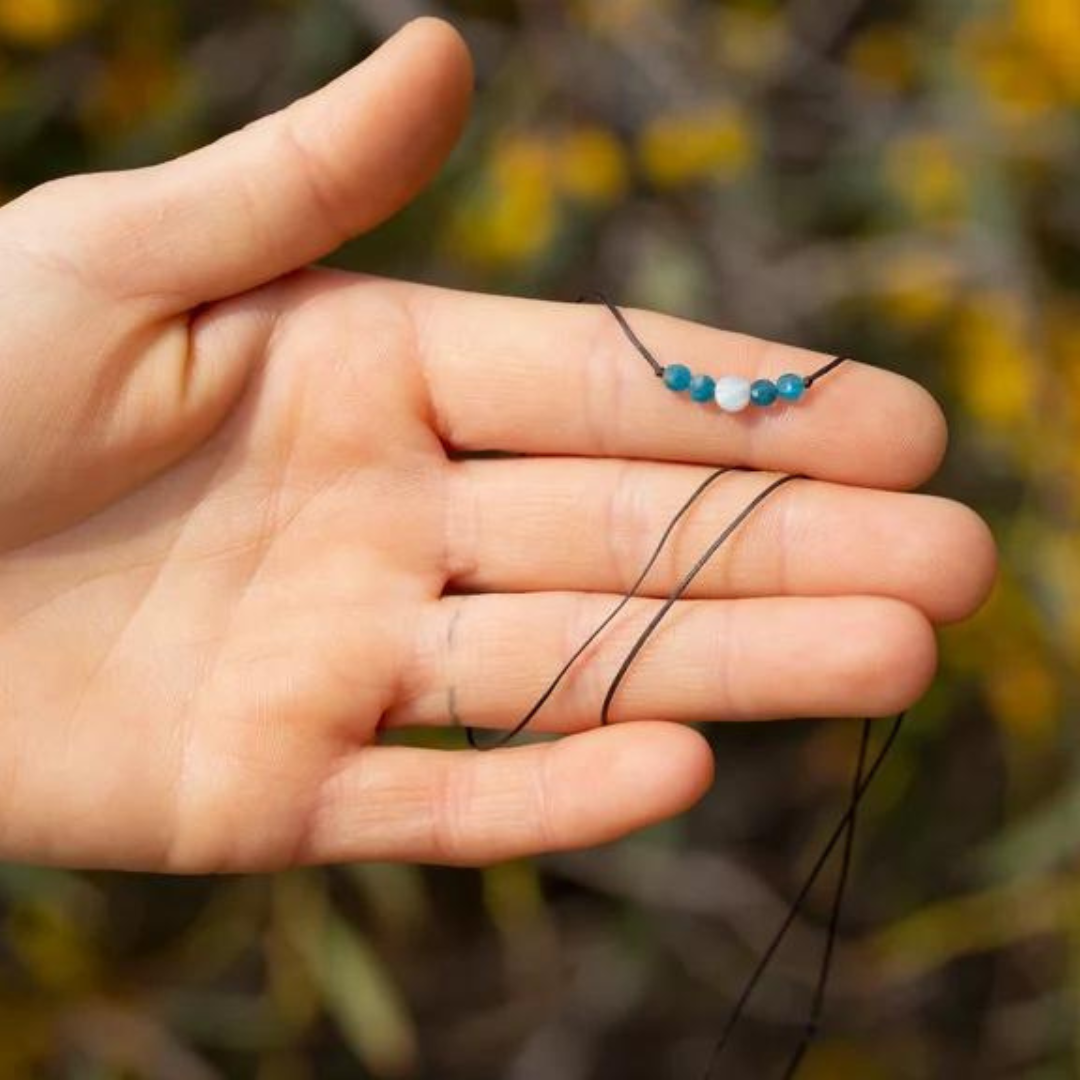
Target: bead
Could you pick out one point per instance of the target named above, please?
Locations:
(732, 393)
(763, 392)
(702, 387)
(677, 377)
(790, 387)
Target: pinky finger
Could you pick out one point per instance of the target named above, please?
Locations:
(473, 807)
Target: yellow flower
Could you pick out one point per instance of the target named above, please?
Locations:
(510, 217)
(749, 41)
(1024, 695)
(917, 288)
(687, 148)
(130, 89)
(884, 56)
(923, 170)
(42, 23)
(834, 1059)
(1015, 83)
(522, 158)
(1051, 28)
(590, 165)
(994, 363)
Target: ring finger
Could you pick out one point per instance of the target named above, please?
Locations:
(484, 660)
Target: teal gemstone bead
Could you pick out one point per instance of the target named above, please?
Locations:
(790, 387)
(702, 387)
(677, 377)
(763, 392)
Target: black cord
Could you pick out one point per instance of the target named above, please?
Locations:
(796, 905)
(818, 1006)
(502, 740)
(832, 365)
(862, 779)
(683, 585)
(658, 368)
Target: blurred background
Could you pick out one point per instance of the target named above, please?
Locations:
(896, 180)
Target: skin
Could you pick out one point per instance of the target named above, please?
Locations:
(237, 539)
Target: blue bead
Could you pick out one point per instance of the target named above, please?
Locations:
(677, 377)
(763, 392)
(790, 387)
(702, 387)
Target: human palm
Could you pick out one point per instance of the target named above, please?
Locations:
(239, 537)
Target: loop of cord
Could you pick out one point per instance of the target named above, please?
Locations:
(862, 777)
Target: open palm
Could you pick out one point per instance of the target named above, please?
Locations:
(238, 538)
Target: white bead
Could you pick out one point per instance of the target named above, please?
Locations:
(732, 393)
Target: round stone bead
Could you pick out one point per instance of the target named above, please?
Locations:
(790, 387)
(763, 392)
(677, 377)
(702, 387)
(732, 393)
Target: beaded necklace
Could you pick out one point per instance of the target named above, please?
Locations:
(733, 394)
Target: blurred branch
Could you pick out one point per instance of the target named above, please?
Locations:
(939, 934)
(704, 884)
(128, 1040)
(815, 26)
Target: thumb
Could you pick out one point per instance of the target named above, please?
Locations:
(278, 194)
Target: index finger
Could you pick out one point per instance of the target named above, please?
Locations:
(552, 378)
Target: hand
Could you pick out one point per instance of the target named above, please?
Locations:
(233, 544)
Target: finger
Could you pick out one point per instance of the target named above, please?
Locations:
(398, 803)
(483, 661)
(547, 524)
(278, 194)
(533, 377)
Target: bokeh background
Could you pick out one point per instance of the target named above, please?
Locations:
(896, 180)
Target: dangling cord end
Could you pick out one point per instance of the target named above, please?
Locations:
(813, 1023)
(796, 905)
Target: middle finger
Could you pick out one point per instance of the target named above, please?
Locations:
(541, 524)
